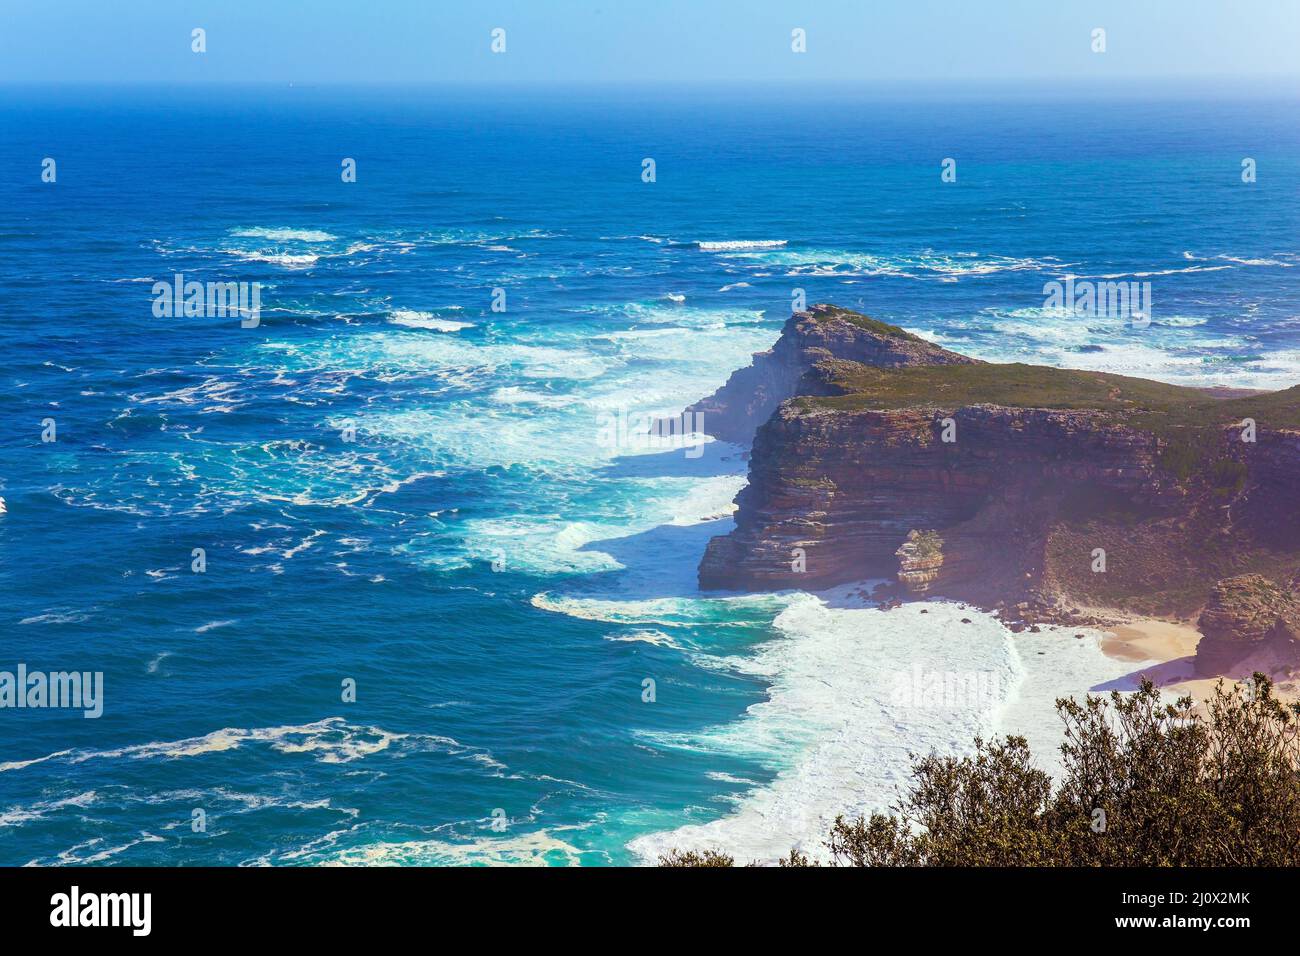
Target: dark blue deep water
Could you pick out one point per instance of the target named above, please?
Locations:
(496, 579)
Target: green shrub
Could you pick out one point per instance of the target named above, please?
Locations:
(1145, 783)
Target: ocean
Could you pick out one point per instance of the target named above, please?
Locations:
(388, 485)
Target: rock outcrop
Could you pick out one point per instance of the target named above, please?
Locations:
(823, 332)
(1249, 621)
(1041, 484)
(920, 558)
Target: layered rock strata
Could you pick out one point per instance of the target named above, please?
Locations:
(877, 454)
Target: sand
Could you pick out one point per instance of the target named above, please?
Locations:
(1172, 646)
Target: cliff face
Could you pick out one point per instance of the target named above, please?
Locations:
(846, 488)
(821, 333)
(1018, 481)
(1249, 622)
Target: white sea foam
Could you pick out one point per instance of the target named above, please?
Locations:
(1256, 262)
(73, 855)
(390, 355)
(841, 720)
(921, 265)
(426, 320)
(290, 260)
(1156, 272)
(579, 387)
(832, 728)
(285, 234)
(1178, 321)
(332, 740)
(538, 848)
(17, 816)
(691, 317)
(515, 395)
(736, 244)
(1057, 664)
(656, 638)
(1164, 350)
(663, 612)
(62, 616)
(724, 777)
(23, 764)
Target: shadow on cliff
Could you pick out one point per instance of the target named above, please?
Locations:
(663, 562)
(658, 563)
(715, 458)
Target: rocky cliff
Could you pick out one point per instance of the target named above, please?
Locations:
(883, 456)
(1250, 623)
(824, 332)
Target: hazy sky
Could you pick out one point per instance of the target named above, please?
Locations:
(655, 41)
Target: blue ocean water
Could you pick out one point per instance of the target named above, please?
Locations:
(496, 579)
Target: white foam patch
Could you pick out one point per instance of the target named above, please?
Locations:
(854, 692)
(17, 816)
(516, 395)
(426, 320)
(840, 720)
(585, 428)
(538, 848)
(925, 264)
(284, 234)
(547, 544)
(289, 260)
(332, 740)
(732, 245)
(696, 317)
(662, 612)
(393, 355)
(1057, 664)
(653, 637)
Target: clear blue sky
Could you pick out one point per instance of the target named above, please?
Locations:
(643, 41)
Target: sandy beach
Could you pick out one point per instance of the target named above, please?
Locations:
(1172, 645)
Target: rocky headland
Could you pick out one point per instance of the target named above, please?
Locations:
(1033, 490)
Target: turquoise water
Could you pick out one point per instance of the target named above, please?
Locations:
(496, 579)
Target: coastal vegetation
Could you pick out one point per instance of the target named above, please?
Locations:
(1153, 406)
(1144, 783)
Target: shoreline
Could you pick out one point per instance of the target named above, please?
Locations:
(830, 671)
(1171, 644)
(848, 735)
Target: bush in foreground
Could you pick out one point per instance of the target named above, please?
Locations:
(1144, 783)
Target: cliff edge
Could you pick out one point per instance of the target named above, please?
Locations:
(877, 454)
(822, 333)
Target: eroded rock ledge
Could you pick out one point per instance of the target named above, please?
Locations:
(1020, 482)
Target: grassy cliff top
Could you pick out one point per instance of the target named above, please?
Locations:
(1148, 404)
(831, 313)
